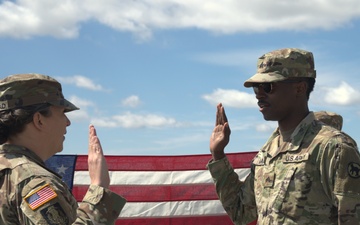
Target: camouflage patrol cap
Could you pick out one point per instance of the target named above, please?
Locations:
(332, 119)
(29, 89)
(282, 64)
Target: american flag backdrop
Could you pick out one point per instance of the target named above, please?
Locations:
(160, 190)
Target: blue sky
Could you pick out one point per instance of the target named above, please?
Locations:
(148, 74)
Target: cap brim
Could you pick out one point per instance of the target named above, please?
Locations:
(65, 103)
(264, 78)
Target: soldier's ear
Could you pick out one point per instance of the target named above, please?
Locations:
(301, 88)
(38, 120)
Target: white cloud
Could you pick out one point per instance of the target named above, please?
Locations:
(266, 126)
(125, 120)
(81, 81)
(82, 114)
(183, 140)
(130, 120)
(131, 101)
(63, 19)
(344, 94)
(104, 122)
(27, 18)
(231, 98)
(78, 115)
(79, 102)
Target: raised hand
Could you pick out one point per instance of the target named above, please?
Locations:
(220, 136)
(98, 169)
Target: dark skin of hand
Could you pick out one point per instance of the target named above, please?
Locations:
(220, 136)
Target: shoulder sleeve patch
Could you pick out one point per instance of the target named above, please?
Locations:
(40, 196)
(55, 215)
(354, 170)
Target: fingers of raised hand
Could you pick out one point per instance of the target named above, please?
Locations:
(221, 118)
(98, 169)
(94, 142)
(94, 145)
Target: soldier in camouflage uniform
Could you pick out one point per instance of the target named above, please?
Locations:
(307, 172)
(32, 128)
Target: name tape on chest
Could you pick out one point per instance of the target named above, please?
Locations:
(291, 158)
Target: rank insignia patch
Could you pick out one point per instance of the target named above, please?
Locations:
(41, 196)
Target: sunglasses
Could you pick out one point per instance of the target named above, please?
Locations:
(269, 86)
(266, 87)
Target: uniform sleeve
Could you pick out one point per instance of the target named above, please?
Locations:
(47, 201)
(100, 205)
(344, 176)
(237, 197)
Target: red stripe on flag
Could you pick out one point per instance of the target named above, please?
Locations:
(165, 163)
(205, 220)
(157, 193)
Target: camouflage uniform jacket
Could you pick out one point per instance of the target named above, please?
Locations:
(32, 194)
(314, 179)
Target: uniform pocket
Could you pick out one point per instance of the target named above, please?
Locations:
(292, 194)
(283, 189)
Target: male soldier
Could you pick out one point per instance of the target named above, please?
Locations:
(307, 172)
(32, 128)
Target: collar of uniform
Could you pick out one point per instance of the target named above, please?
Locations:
(300, 131)
(265, 147)
(297, 136)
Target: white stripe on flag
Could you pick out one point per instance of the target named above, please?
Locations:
(172, 209)
(155, 177)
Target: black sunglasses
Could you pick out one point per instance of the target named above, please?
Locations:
(268, 86)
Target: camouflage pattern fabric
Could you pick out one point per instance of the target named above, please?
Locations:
(282, 64)
(23, 174)
(314, 179)
(330, 118)
(28, 89)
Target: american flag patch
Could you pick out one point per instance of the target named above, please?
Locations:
(41, 196)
